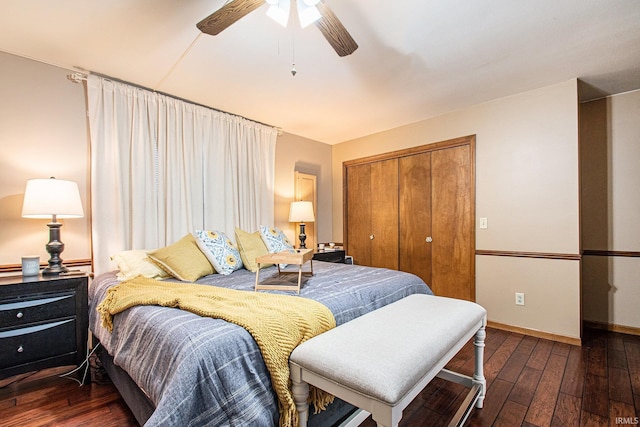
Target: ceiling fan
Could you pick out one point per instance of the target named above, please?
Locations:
(308, 11)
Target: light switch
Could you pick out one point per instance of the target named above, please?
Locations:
(483, 223)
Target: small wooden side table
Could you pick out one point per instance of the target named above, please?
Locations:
(299, 257)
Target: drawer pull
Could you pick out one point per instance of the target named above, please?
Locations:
(19, 315)
(20, 349)
(372, 237)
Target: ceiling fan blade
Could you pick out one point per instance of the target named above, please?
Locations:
(227, 15)
(335, 33)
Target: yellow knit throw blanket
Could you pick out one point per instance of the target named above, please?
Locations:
(278, 323)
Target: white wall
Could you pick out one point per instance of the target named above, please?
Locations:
(295, 153)
(610, 152)
(43, 133)
(526, 185)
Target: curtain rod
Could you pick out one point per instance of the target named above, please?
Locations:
(78, 77)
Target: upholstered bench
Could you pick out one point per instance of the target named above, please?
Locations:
(381, 361)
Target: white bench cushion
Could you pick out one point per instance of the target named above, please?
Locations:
(384, 353)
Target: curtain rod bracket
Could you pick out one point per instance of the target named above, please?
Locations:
(77, 77)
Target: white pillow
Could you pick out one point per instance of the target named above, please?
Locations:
(219, 250)
(135, 262)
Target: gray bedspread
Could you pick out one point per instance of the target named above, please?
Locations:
(201, 371)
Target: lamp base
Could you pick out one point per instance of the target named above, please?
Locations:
(302, 237)
(55, 248)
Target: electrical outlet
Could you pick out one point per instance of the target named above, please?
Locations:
(519, 298)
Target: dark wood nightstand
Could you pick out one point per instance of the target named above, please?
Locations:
(43, 323)
(337, 255)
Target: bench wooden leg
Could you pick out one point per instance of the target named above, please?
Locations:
(300, 391)
(478, 374)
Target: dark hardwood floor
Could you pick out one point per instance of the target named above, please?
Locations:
(531, 382)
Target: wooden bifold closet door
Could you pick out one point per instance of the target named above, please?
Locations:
(413, 210)
(374, 216)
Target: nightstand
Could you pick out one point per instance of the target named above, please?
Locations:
(337, 255)
(43, 323)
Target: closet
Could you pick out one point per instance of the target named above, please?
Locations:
(413, 210)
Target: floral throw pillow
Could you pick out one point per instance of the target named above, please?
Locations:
(276, 241)
(219, 250)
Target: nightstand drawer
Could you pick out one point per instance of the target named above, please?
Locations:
(37, 342)
(46, 307)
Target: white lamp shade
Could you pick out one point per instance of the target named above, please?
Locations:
(301, 212)
(44, 198)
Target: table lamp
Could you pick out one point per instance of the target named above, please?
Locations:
(301, 212)
(52, 198)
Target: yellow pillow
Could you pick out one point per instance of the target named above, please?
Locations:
(135, 262)
(183, 260)
(251, 246)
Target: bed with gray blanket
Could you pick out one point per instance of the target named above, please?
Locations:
(200, 371)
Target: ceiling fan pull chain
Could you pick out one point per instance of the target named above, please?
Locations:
(293, 49)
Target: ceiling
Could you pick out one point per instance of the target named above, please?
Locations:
(417, 58)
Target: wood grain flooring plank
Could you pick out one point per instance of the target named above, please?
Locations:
(567, 411)
(617, 358)
(511, 414)
(632, 351)
(439, 396)
(596, 397)
(620, 386)
(526, 385)
(573, 379)
(540, 355)
(497, 395)
(496, 362)
(588, 419)
(615, 341)
(561, 348)
(622, 413)
(596, 360)
(527, 344)
(513, 367)
(544, 399)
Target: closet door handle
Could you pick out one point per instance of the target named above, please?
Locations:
(428, 239)
(371, 236)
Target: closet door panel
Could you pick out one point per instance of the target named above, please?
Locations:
(452, 223)
(415, 215)
(359, 213)
(384, 214)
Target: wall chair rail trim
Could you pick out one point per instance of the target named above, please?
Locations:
(544, 255)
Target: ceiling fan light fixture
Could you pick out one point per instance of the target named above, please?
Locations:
(279, 11)
(308, 13)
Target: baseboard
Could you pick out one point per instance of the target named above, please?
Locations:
(631, 330)
(535, 333)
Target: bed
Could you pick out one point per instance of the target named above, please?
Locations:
(177, 368)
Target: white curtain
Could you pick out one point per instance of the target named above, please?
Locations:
(162, 167)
